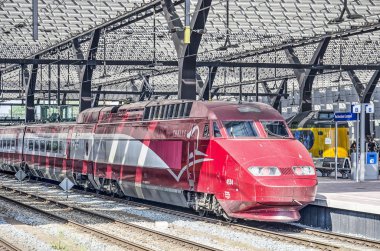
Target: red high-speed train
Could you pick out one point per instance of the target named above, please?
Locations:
(235, 160)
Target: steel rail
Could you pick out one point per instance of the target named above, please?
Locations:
(6, 246)
(166, 237)
(256, 230)
(102, 235)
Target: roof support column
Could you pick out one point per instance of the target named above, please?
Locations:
(30, 90)
(95, 102)
(205, 92)
(146, 89)
(187, 53)
(85, 76)
(280, 92)
(365, 93)
(306, 77)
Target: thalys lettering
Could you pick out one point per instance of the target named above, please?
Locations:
(233, 160)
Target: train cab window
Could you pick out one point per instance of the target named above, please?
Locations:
(206, 131)
(42, 146)
(30, 145)
(36, 145)
(238, 129)
(217, 133)
(48, 146)
(54, 146)
(275, 128)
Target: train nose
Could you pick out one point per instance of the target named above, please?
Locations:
(271, 184)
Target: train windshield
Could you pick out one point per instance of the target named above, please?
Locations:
(238, 129)
(275, 129)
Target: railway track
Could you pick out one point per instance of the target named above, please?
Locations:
(282, 232)
(274, 231)
(6, 246)
(24, 199)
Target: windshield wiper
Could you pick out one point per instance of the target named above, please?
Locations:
(274, 134)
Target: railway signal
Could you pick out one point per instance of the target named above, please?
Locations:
(66, 185)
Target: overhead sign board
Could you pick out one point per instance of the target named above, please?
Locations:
(344, 116)
(369, 108)
(356, 108)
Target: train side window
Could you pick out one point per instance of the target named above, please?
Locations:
(36, 145)
(156, 112)
(61, 148)
(55, 146)
(170, 112)
(164, 116)
(320, 133)
(30, 144)
(13, 144)
(151, 112)
(217, 133)
(188, 109)
(181, 112)
(48, 146)
(1, 143)
(4, 143)
(206, 131)
(146, 113)
(42, 146)
(161, 113)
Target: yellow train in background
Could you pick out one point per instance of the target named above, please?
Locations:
(316, 131)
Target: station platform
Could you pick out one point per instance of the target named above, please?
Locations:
(345, 206)
(349, 195)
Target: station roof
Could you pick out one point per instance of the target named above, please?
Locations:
(253, 26)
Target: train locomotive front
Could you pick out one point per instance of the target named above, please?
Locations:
(262, 172)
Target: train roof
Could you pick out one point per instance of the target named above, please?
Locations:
(174, 109)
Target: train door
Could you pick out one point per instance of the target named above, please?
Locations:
(192, 143)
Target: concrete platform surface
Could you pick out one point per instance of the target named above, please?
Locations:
(349, 195)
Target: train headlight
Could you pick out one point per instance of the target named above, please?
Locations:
(264, 171)
(303, 170)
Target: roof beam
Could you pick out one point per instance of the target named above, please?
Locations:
(94, 62)
(306, 78)
(127, 18)
(359, 87)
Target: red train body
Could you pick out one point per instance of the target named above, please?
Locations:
(236, 160)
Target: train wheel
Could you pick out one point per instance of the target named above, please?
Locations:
(227, 218)
(202, 213)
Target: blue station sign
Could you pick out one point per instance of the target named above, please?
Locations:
(344, 116)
